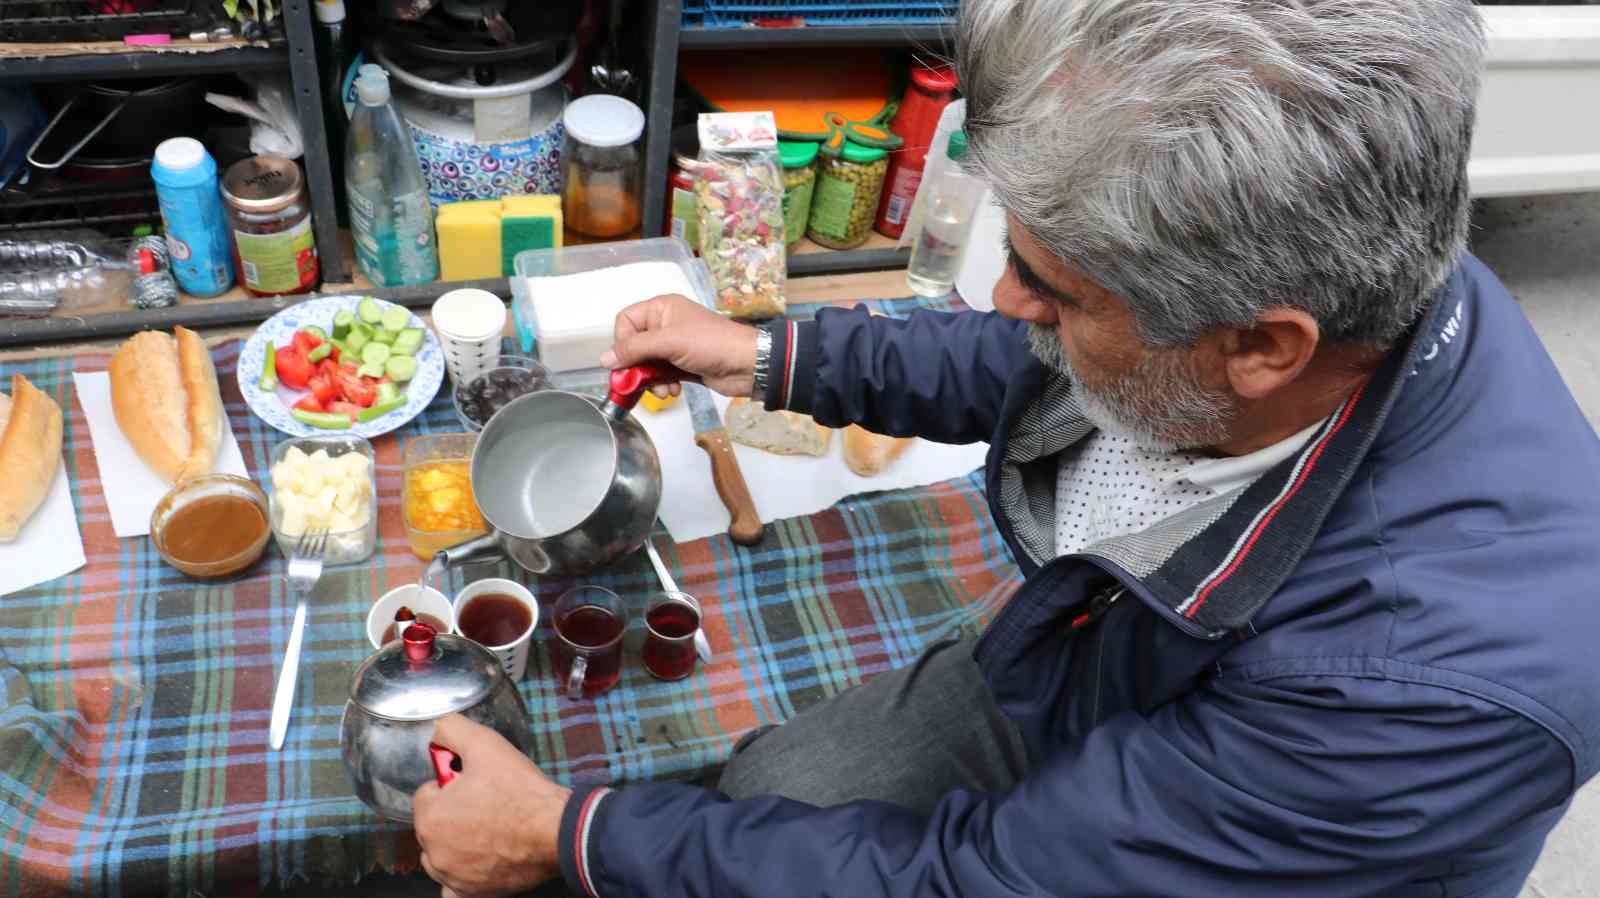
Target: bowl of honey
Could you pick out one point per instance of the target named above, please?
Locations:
(436, 493)
(212, 526)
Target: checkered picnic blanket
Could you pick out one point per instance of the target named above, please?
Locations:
(133, 730)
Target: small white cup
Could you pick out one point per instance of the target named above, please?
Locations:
(420, 599)
(469, 323)
(513, 655)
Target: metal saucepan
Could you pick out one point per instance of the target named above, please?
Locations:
(120, 120)
(566, 483)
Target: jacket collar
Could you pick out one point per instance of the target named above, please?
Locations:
(1210, 568)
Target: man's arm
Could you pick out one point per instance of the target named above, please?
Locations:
(1328, 786)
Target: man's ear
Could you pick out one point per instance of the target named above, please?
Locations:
(1263, 359)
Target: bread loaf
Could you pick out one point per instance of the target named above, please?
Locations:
(165, 396)
(870, 454)
(782, 432)
(30, 453)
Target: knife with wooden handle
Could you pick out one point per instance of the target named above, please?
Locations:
(710, 434)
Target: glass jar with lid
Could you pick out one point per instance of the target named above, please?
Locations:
(269, 216)
(846, 195)
(600, 168)
(799, 177)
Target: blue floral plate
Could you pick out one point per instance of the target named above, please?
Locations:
(273, 407)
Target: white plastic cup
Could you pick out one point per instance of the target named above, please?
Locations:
(469, 323)
(420, 599)
(513, 655)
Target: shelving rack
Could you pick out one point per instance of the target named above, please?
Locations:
(668, 37)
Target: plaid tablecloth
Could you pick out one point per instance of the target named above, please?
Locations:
(133, 734)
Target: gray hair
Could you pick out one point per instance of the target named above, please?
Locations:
(1209, 159)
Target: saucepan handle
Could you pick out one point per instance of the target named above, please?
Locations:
(628, 384)
(580, 666)
(446, 763)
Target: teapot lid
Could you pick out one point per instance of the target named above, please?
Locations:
(424, 676)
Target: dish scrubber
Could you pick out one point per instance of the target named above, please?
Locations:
(469, 240)
(528, 222)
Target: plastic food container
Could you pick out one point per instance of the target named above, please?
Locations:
(846, 198)
(420, 451)
(572, 354)
(799, 178)
(344, 546)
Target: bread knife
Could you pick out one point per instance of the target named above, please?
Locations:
(710, 434)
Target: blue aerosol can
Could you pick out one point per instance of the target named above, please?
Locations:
(196, 224)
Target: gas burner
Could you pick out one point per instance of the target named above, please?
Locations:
(476, 32)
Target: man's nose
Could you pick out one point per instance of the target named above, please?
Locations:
(1013, 300)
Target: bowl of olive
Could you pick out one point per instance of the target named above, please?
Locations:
(512, 376)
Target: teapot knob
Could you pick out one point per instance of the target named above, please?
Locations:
(419, 642)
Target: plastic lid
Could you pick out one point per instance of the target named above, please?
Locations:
(372, 85)
(855, 152)
(958, 145)
(180, 153)
(601, 120)
(329, 11)
(934, 80)
(797, 153)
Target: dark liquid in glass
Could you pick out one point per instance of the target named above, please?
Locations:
(672, 657)
(590, 626)
(393, 633)
(494, 619)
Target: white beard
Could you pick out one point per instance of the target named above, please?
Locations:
(1158, 405)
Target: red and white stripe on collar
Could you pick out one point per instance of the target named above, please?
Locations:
(580, 840)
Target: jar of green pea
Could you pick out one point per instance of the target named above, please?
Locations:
(846, 200)
(799, 177)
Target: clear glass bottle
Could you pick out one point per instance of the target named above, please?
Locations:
(391, 221)
(952, 207)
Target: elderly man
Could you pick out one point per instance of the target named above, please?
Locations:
(1307, 516)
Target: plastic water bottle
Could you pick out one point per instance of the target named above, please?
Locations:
(952, 207)
(191, 208)
(390, 218)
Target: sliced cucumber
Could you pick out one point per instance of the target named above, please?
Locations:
(357, 339)
(315, 331)
(408, 341)
(369, 310)
(384, 336)
(375, 354)
(395, 318)
(400, 368)
(372, 371)
(342, 322)
(322, 351)
(387, 393)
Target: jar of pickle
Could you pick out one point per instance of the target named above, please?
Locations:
(846, 198)
(799, 177)
(600, 169)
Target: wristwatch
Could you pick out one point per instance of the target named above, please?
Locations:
(763, 369)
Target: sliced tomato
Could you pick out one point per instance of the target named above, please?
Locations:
(329, 369)
(324, 388)
(305, 341)
(358, 389)
(293, 369)
(309, 404)
(344, 408)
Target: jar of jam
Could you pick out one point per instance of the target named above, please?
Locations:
(269, 216)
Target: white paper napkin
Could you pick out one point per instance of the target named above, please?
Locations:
(131, 488)
(49, 545)
(783, 486)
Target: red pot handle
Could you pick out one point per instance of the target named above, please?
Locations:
(446, 763)
(628, 384)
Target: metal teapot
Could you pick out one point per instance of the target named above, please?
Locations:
(396, 696)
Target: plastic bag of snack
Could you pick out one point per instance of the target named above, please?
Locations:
(739, 193)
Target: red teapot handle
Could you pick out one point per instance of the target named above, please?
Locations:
(628, 384)
(446, 763)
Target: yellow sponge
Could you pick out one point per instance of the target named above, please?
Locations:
(469, 240)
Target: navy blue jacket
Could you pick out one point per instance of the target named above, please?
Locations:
(1374, 671)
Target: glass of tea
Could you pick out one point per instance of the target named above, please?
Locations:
(670, 624)
(500, 616)
(589, 623)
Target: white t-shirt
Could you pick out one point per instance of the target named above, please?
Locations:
(1108, 486)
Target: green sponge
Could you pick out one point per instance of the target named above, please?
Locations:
(528, 222)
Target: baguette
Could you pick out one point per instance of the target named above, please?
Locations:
(30, 453)
(870, 454)
(781, 432)
(167, 403)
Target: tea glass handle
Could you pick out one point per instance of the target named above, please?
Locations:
(444, 761)
(580, 666)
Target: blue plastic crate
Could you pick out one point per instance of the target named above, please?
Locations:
(738, 13)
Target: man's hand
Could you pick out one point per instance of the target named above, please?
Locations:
(718, 352)
(493, 830)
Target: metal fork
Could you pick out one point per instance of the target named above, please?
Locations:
(305, 569)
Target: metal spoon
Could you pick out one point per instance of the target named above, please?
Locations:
(702, 646)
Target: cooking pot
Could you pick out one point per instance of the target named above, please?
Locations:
(566, 482)
(396, 696)
(125, 119)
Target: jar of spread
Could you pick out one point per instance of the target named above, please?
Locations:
(600, 169)
(270, 217)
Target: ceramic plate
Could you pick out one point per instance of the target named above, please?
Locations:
(273, 407)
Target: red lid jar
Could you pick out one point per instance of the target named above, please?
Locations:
(932, 88)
